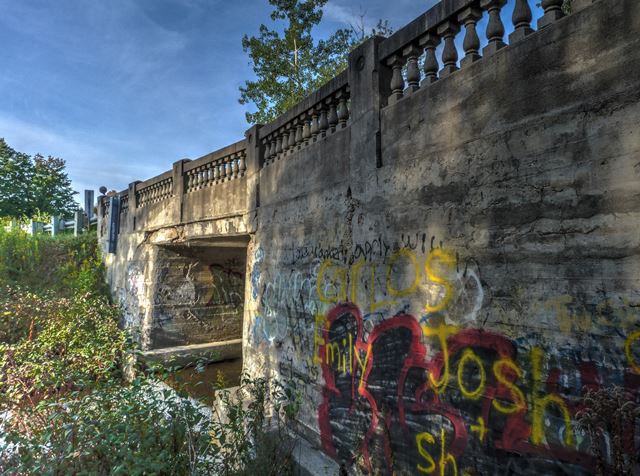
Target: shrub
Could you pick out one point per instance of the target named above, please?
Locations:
(65, 407)
(64, 264)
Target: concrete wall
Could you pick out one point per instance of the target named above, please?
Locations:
(444, 279)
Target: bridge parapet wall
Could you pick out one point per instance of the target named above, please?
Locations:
(454, 265)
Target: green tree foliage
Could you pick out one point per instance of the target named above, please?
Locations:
(33, 186)
(66, 406)
(290, 64)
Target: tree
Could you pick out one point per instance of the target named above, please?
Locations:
(290, 65)
(33, 186)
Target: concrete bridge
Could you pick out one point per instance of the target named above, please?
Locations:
(439, 247)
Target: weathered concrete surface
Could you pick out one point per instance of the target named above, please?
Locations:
(190, 354)
(445, 278)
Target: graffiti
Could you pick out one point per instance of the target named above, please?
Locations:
(413, 383)
(287, 306)
(255, 273)
(383, 399)
(227, 287)
(404, 275)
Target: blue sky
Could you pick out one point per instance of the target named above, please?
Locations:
(122, 88)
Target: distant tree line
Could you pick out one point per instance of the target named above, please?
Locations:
(33, 187)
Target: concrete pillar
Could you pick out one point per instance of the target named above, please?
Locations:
(369, 82)
(178, 189)
(133, 206)
(255, 157)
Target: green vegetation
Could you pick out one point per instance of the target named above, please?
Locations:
(33, 187)
(65, 404)
(290, 64)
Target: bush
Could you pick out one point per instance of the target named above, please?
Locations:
(64, 264)
(56, 345)
(65, 407)
(138, 428)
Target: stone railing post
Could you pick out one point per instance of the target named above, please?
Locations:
(77, 222)
(254, 160)
(178, 189)
(55, 225)
(133, 206)
(369, 84)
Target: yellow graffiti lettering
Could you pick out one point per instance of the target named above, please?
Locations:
(363, 366)
(516, 394)
(540, 404)
(339, 275)
(470, 356)
(420, 437)
(403, 252)
(633, 364)
(480, 429)
(373, 304)
(559, 306)
(442, 332)
(331, 351)
(356, 269)
(446, 458)
(448, 261)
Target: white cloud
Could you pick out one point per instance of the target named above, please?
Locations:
(88, 163)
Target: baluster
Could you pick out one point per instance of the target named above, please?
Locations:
(343, 111)
(495, 28)
(242, 163)
(234, 165)
(216, 171)
(272, 148)
(223, 170)
(285, 140)
(332, 117)
(306, 129)
(471, 44)
(323, 123)
(430, 67)
(292, 138)
(279, 147)
(315, 126)
(412, 53)
(448, 31)
(189, 181)
(209, 174)
(299, 132)
(397, 81)
(521, 19)
(552, 12)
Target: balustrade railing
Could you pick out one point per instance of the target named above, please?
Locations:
(403, 51)
(124, 202)
(411, 53)
(209, 171)
(319, 115)
(160, 188)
